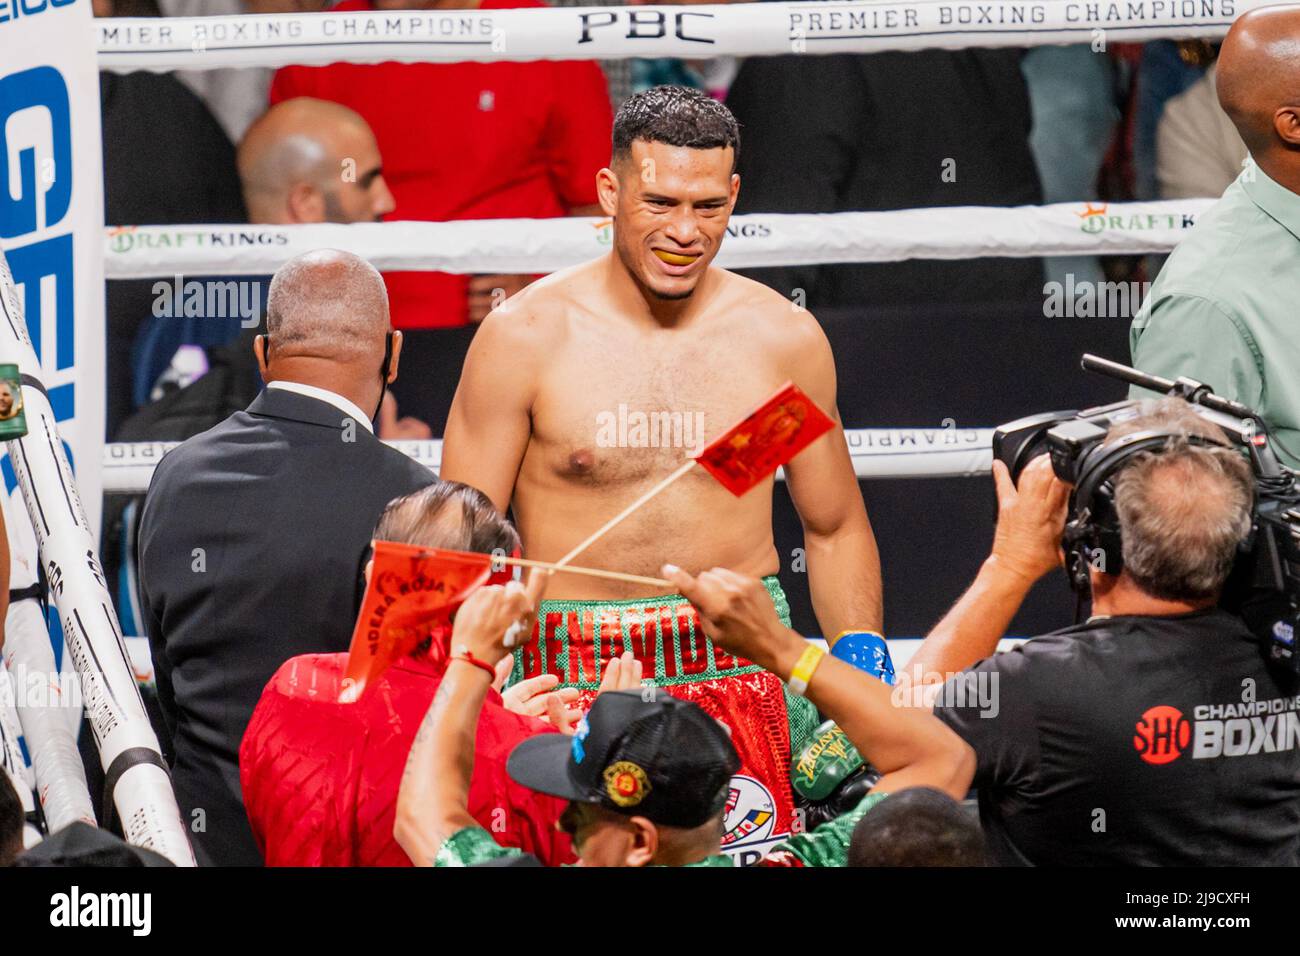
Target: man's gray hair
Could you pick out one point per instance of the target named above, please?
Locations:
(1184, 508)
(327, 304)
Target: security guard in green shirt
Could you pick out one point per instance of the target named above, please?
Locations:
(1225, 309)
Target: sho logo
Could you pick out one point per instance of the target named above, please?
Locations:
(75, 908)
(1161, 734)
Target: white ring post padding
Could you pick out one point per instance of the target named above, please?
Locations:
(143, 796)
(876, 453)
(613, 33)
(524, 246)
(29, 660)
(45, 698)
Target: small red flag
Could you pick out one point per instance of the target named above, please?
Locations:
(764, 440)
(412, 593)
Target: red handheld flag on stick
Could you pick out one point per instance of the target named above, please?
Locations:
(745, 454)
(412, 593)
(764, 440)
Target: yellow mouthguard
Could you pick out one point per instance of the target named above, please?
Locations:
(674, 259)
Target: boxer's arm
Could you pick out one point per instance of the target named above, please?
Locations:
(843, 563)
(489, 423)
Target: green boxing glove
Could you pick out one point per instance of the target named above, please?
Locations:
(825, 763)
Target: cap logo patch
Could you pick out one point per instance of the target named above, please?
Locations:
(626, 783)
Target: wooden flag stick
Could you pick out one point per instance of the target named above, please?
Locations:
(618, 518)
(590, 572)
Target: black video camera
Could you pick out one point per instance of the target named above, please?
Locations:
(1264, 585)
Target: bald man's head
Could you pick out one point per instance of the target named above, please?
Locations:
(1258, 79)
(309, 160)
(328, 305)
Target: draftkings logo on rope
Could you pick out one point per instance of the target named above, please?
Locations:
(1095, 218)
(1163, 733)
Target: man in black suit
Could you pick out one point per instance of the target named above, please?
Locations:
(254, 532)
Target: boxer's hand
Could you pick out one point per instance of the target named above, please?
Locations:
(1031, 518)
(736, 611)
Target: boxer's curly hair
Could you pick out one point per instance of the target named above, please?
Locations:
(676, 116)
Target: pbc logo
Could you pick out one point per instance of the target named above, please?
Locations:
(1161, 734)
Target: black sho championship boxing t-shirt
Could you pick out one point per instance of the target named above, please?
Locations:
(1136, 741)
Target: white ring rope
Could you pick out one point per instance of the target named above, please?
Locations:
(504, 246)
(612, 33)
(943, 452)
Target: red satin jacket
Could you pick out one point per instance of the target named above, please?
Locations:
(320, 778)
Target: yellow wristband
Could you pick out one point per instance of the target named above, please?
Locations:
(803, 671)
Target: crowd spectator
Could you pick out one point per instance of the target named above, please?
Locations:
(1198, 150)
(470, 141)
(302, 161)
(191, 180)
(1073, 99)
(235, 95)
(253, 532)
(857, 132)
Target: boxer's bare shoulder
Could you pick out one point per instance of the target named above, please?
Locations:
(781, 329)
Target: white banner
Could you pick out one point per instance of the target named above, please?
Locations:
(942, 452)
(612, 33)
(493, 246)
(52, 216)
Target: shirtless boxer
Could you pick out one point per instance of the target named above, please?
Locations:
(655, 328)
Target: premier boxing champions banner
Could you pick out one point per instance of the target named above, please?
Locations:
(610, 33)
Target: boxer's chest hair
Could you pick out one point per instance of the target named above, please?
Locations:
(614, 416)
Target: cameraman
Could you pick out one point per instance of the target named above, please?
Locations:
(1152, 734)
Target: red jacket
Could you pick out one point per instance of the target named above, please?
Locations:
(498, 140)
(320, 778)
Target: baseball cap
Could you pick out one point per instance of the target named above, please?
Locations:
(663, 759)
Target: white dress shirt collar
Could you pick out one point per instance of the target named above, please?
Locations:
(325, 395)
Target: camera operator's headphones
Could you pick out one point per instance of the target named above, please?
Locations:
(1092, 536)
(383, 368)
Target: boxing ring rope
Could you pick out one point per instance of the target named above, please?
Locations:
(611, 33)
(502, 246)
(941, 452)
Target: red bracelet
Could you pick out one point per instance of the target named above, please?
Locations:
(469, 658)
